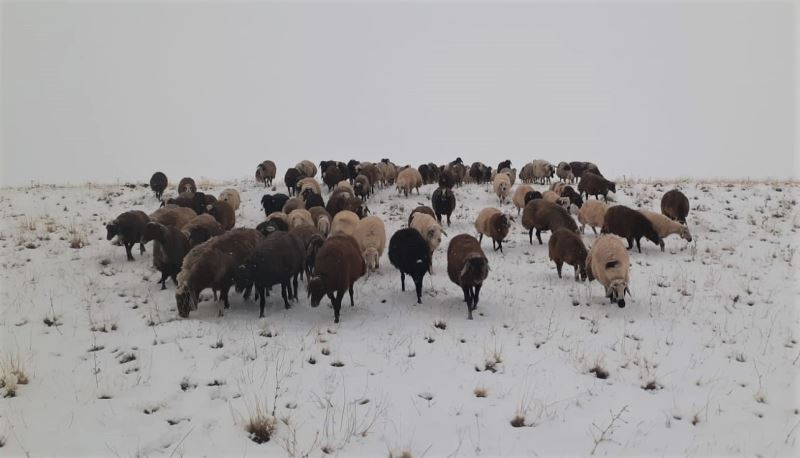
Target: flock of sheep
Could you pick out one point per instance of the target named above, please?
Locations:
(196, 243)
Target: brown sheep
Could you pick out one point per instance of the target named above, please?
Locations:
(187, 185)
(493, 223)
(292, 204)
(566, 247)
(545, 216)
(337, 266)
(630, 225)
(202, 228)
(170, 246)
(421, 209)
(595, 185)
(223, 212)
(467, 267)
(174, 216)
(675, 206)
(265, 173)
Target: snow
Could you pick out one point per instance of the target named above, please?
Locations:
(711, 329)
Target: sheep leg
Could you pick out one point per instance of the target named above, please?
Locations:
(418, 284)
(539, 236)
(480, 238)
(402, 281)
(128, 248)
(630, 242)
(284, 286)
(350, 290)
(595, 230)
(468, 300)
(559, 264)
(337, 305)
(638, 245)
(223, 294)
(141, 248)
(530, 236)
(294, 285)
(466, 295)
(476, 293)
(448, 220)
(500, 245)
(661, 244)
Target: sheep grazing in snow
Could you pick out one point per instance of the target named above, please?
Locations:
(410, 254)
(272, 203)
(566, 247)
(444, 202)
(574, 198)
(322, 219)
(290, 178)
(493, 223)
(675, 206)
(608, 263)
(231, 196)
(300, 217)
(344, 223)
(564, 172)
(223, 212)
(557, 187)
(666, 227)
(578, 169)
(170, 245)
(265, 173)
(421, 209)
(595, 185)
(430, 230)
(542, 215)
(201, 228)
(630, 225)
(308, 183)
(129, 228)
(337, 266)
(467, 267)
(502, 187)
(531, 195)
(158, 183)
(307, 168)
(174, 216)
(212, 265)
(542, 171)
(519, 196)
(370, 234)
(407, 180)
(526, 173)
(592, 214)
(187, 185)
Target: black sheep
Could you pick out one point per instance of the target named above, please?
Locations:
(170, 245)
(447, 179)
(595, 185)
(409, 253)
(312, 199)
(630, 225)
(504, 165)
(272, 203)
(129, 227)
(574, 197)
(331, 176)
(675, 206)
(291, 178)
(443, 202)
(352, 170)
(275, 224)
(158, 183)
(424, 172)
(578, 168)
(530, 195)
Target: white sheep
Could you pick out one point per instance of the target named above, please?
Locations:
(608, 263)
(309, 183)
(512, 174)
(542, 170)
(407, 180)
(502, 186)
(519, 196)
(300, 217)
(430, 230)
(370, 234)
(665, 226)
(307, 168)
(344, 185)
(344, 223)
(592, 214)
(231, 196)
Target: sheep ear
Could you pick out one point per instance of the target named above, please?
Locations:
(445, 233)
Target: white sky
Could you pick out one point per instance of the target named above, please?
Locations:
(113, 90)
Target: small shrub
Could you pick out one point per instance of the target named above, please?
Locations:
(260, 425)
(480, 392)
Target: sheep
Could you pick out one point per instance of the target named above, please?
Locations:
(526, 173)
(675, 206)
(388, 171)
(331, 176)
(574, 198)
(272, 203)
(444, 202)
(557, 187)
(578, 169)
(370, 233)
(174, 216)
(372, 173)
(344, 222)
(322, 219)
(423, 209)
(542, 215)
(290, 178)
(352, 169)
(608, 263)
(196, 201)
(311, 238)
(543, 171)
(407, 180)
(310, 199)
(430, 230)
(447, 179)
(308, 183)
(530, 195)
(475, 173)
(275, 222)
(158, 183)
(337, 266)
(293, 204)
(201, 228)
(630, 225)
(410, 254)
(300, 217)
(592, 214)
(433, 172)
(519, 196)
(665, 226)
(344, 201)
(128, 227)
(361, 186)
(277, 259)
(425, 172)
(512, 174)
(566, 247)
(231, 196)
(458, 171)
(550, 196)
(564, 172)
(493, 223)
(265, 173)
(223, 212)
(307, 168)
(343, 186)
(212, 265)
(504, 165)
(502, 187)
(170, 245)
(467, 267)
(595, 185)
(187, 185)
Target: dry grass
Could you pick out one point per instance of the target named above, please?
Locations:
(480, 392)
(12, 374)
(260, 425)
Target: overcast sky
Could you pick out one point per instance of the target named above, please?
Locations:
(114, 91)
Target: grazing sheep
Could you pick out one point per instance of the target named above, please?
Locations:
(493, 223)
(307, 168)
(675, 205)
(630, 225)
(265, 172)
(578, 169)
(293, 204)
(129, 228)
(566, 247)
(361, 186)
(564, 172)
(608, 263)
(311, 238)
(337, 266)
(231, 196)
(519, 196)
(196, 201)
(170, 245)
(312, 200)
(187, 185)
(666, 227)
(574, 198)
(530, 195)
(201, 228)
(550, 196)
(467, 267)
(290, 178)
(223, 212)
(300, 217)
(430, 230)
(158, 183)
(407, 180)
(174, 216)
(592, 214)
(370, 234)
(542, 171)
(212, 265)
(344, 223)
(557, 187)
(272, 203)
(421, 209)
(331, 176)
(410, 254)
(322, 219)
(526, 173)
(595, 185)
(542, 215)
(444, 202)
(502, 187)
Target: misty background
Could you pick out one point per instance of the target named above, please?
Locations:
(114, 90)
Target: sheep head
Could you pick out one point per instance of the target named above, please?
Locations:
(371, 258)
(612, 187)
(243, 278)
(685, 234)
(112, 229)
(153, 231)
(616, 291)
(475, 270)
(186, 300)
(316, 290)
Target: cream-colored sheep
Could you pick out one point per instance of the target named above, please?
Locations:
(309, 183)
(300, 217)
(430, 230)
(512, 175)
(665, 226)
(293, 203)
(550, 196)
(557, 187)
(502, 186)
(608, 263)
(344, 185)
(542, 170)
(519, 196)
(344, 223)
(492, 223)
(592, 214)
(307, 168)
(371, 237)
(388, 172)
(231, 196)
(407, 180)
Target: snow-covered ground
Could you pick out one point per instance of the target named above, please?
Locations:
(702, 361)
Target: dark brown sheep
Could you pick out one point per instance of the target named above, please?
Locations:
(574, 197)
(312, 239)
(447, 179)
(196, 201)
(372, 172)
(202, 228)
(170, 245)
(578, 168)
(129, 228)
(265, 173)
(542, 215)
(675, 206)
(566, 247)
(343, 200)
(174, 216)
(338, 265)
(187, 185)
(331, 176)
(592, 184)
(361, 186)
(467, 267)
(444, 202)
(158, 183)
(223, 212)
(290, 178)
(630, 225)
(421, 209)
